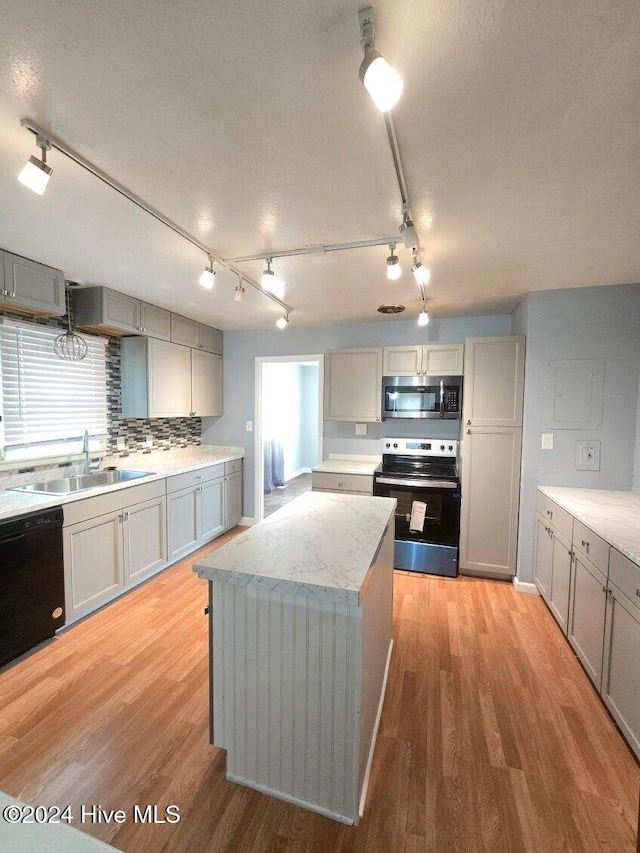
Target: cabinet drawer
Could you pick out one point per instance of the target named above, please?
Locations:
(86, 508)
(324, 482)
(592, 546)
(625, 575)
(194, 478)
(233, 467)
(555, 515)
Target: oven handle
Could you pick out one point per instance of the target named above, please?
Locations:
(424, 484)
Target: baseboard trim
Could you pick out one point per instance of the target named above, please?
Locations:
(367, 772)
(247, 521)
(525, 586)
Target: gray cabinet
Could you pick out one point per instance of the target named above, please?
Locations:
(587, 615)
(560, 584)
(353, 384)
(423, 359)
(232, 493)
(30, 287)
(206, 384)
(544, 556)
(108, 311)
(494, 381)
(195, 508)
(196, 335)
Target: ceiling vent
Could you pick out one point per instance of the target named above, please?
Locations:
(390, 309)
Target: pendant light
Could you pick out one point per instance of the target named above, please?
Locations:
(423, 316)
(393, 264)
(380, 80)
(208, 275)
(268, 278)
(70, 346)
(238, 294)
(36, 173)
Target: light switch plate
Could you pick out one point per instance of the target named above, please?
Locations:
(547, 441)
(361, 429)
(249, 426)
(587, 455)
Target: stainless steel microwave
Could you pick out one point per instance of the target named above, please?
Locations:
(421, 397)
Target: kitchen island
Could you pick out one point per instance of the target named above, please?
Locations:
(301, 633)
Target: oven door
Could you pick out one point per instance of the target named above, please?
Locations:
(427, 523)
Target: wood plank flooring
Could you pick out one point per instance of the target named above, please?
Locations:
(491, 738)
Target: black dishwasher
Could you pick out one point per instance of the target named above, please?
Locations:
(31, 581)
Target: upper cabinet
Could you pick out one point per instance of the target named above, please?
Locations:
(107, 311)
(155, 322)
(494, 381)
(190, 333)
(353, 384)
(30, 287)
(423, 360)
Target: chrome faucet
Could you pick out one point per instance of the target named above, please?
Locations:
(87, 467)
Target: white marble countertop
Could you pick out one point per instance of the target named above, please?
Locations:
(613, 515)
(161, 463)
(319, 545)
(337, 464)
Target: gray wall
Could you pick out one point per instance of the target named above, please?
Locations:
(636, 464)
(242, 348)
(308, 423)
(591, 323)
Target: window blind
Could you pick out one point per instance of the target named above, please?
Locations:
(44, 398)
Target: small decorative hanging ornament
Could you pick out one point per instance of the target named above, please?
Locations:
(70, 346)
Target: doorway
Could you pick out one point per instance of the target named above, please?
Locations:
(288, 428)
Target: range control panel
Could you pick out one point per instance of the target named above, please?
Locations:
(446, 447)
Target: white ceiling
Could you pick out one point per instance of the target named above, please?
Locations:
(247, 125)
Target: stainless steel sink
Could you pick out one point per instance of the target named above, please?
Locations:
(81, 483)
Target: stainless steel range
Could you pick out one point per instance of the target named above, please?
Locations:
(422, 474)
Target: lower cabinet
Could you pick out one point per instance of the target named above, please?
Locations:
(351, 484)
(544, 557)
(232, 496)
(621, 673)
(560, 583)
(586, 619)
(110, 544)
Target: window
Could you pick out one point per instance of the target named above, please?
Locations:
(48, 403)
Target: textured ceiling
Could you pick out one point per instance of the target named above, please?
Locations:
(247, 125)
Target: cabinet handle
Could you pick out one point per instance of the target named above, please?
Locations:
(638, 593)
(468, 423)
(13, 294)
(340, 483)
(585, 545)
(604, 589)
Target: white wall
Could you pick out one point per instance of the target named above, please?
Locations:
(590, 323)
(242, 348)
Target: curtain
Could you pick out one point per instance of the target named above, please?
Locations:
(273, 464)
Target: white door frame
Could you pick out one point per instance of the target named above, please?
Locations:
(258, 499)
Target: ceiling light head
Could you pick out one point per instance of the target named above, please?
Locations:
(423, 316)
(208, 275)
(283, 322)
(238, 295)
(36, 173)
(393, 264)
(380, 80)
(268, 278)
(408, 234)
(421, 274)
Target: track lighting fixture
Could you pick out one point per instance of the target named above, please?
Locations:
(393, 265)
(380, 80)
(408, 233)
(238, 294)
(423, 316)
(268, 278)
(208, 275)
(36, 173)
(420, 273)
(283, 322)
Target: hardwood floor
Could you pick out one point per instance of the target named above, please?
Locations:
(284, 494)
(491, 738)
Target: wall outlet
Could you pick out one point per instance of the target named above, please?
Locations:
(547, 441)
(587, 455)
(121, 444)
(148, 442)
(361, 429)
(249, 426)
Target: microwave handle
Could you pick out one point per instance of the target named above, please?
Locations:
(442, 398)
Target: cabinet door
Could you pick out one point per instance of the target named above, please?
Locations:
(120, 311)
(145, 539)
(442, 359)
(155, 322)
(182, 521)
(35, 287)
(490, 498)
(353, 384)
(206, 383)
(493, 381)
(169, 377)
(209, 339)
(184, 331)
(544, 556)
(402, 361)
(92, 562)
(561, 564)
(621, 673)
(586, 616)
(211, 509)
(232, 500)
